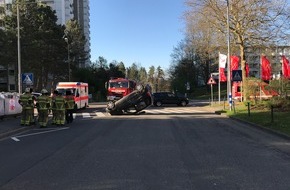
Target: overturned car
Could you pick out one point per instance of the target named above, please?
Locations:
(133, 103)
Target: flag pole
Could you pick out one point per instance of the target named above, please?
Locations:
(229, 59)
(260, 77)
(219, 82)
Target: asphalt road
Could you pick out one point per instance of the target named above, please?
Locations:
(156, 151)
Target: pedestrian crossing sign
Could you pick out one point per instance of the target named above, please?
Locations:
(27, 78)
(237, 75)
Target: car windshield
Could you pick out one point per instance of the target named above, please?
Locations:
(119, 84)
(63, 90)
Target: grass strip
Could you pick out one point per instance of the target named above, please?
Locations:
(279, 121)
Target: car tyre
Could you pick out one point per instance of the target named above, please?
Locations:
(158, 103)
(111, 105)
(183, 103)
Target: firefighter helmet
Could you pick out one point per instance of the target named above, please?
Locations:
(27, 90)
(44, 91)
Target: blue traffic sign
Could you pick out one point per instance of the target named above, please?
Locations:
(27, 78)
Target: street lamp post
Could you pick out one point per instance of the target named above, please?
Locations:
(68, 57)
(229, 59)
(18, 50)
(19, 45)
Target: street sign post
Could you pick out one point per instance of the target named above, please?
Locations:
(210, 82)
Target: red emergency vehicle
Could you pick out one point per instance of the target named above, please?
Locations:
(79, 91)
(119, 87)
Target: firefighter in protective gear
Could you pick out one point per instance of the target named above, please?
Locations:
(43, 106)
(69, 106)
(59, 109)
(26, 101)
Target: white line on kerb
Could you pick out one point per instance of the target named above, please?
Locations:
(15, 139)
(53, 130)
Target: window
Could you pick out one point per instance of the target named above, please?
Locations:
(12, 87)
(118, 84)
(11, 72)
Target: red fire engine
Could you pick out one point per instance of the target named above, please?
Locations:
(119, 87)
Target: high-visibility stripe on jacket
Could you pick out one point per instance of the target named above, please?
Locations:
(26, 101)
(59, 103)
(70, 102)
(43, 102)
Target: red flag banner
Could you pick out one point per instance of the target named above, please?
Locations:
(266, 68)
(222, 75)
(235, 62)
(285, 67)
(222, 65)
(247, 70)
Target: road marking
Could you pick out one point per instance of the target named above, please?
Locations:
(15, 139)
(43, 132)
(86, 115)
(100, 114)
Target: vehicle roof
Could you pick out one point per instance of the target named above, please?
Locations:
(162, 92)
(119, 79)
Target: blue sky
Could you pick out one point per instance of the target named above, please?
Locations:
(136, 31)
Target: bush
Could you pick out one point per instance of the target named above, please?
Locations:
(281, 103)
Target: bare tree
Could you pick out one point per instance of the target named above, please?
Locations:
(251, 22)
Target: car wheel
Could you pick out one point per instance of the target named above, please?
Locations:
(158, 103)
(183, 103)
(110, 105)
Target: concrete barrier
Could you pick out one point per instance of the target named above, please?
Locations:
(9, 104)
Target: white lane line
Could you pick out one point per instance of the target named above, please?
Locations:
(86, 115)
(100, 114)
(43, 132)
(15, 139)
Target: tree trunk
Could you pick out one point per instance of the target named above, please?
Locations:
(243, 68)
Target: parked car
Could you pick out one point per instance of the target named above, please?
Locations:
(36, 94)
(133, 103)
(160, 98)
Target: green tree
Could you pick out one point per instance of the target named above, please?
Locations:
(115, 71)
(143, 75)
(133, 72)
(42, 51)
(184, 66)
(122, 68)
(76, 43)
(251, 22)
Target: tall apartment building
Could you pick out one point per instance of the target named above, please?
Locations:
(74, 9)
(273, 54)
(65, 10)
